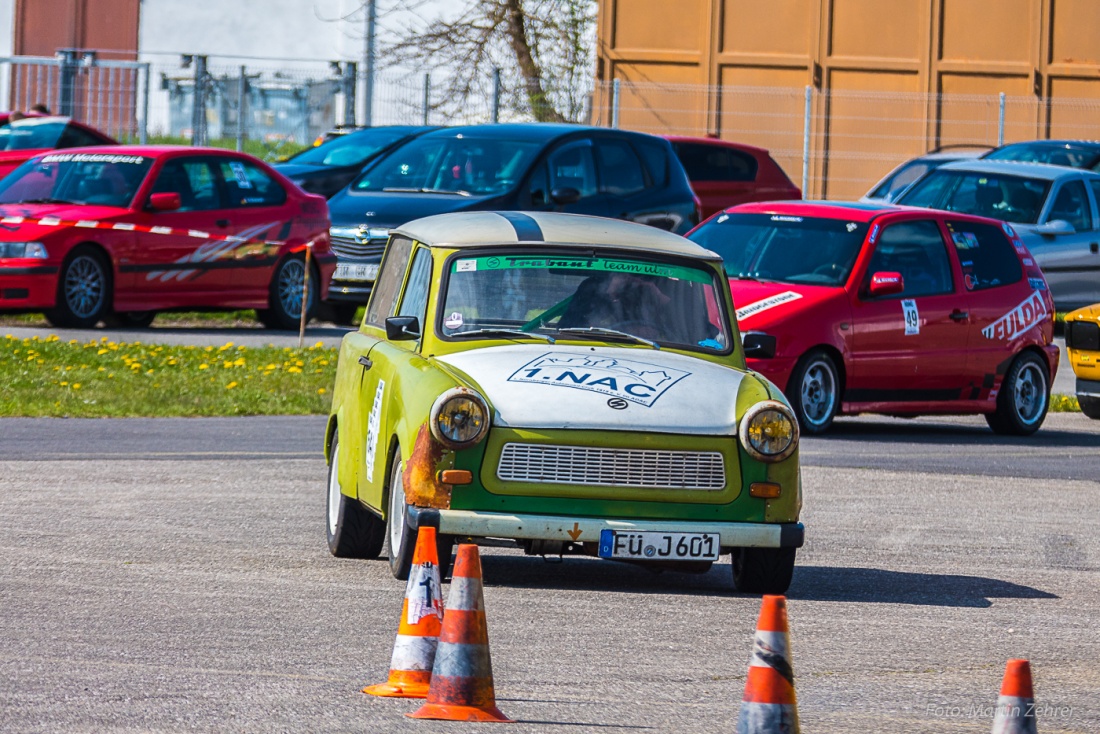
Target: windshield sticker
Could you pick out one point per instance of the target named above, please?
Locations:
(454, 321)
(723, 218)
(1028, 261)
(1037, 284)
(638, 382)
(965, 240)
(594, 265)
(852, 227)
(912, 317)
(874, 231)
(780, 218)
(1008, 229)
(770, 302)
(374, 424)
(1029, 313)
(91, 158)
(240, 174)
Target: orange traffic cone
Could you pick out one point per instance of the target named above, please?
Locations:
(418, 632)
(769, 701)
(462, 678)
(1016, 705)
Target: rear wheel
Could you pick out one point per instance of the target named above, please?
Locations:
(83, 290)
(130, 319)
(814, 391)
(1024, 398)
(344, 313)
(1089, 406)
(352, 530)
(763, 570)
(285, 300)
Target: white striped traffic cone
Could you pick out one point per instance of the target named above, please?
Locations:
(769, 701)
(1016, 704)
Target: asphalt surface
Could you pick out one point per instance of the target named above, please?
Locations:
(171, 574)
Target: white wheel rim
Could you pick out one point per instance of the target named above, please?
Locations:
(397, 508)
(1029, 393)
(818, 392)
(334, 491)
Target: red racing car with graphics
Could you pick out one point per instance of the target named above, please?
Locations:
(854, 308)
(118, 233)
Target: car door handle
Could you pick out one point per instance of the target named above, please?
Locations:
(365, 361)
(1094, 247)
(222, 222)
(958, 315)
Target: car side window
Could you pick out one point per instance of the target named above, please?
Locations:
(620, 170)
(383, 296)
(573, 167)
(1094, 184)
(539, 187)
(247, 185)
(415, 300)
(716, 163)
(193, 180)
(987, 257)
(917, 251)
(655, 154)
(74, 137)
(1072, 205)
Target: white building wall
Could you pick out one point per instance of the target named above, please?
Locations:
(7, 46)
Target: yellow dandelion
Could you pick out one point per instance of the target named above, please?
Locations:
(231, 385)
(204, 366)
(295, 370)
(63, 384)
(76, 385)
(227, 365)
(239, 362)
(321, 391)
(102, 351)
(149, 371)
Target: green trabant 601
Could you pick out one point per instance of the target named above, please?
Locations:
(573, 384)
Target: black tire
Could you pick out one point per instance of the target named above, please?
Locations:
(763, 570)
(400, 538)
(814, 391)
(344, 314)
(353, 531)
(1089, 406)
(130, 319)
(444, 546)
(1024, 399)
(285, 298)
(83, 290)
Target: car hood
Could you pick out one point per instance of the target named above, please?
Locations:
(294, 171)
(394, 210)
(63, 212)
(760, 304)
(553, 386)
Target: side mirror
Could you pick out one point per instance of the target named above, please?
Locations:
(758, 345)
(565, 195)
(165, 201)
(1055, 227)
(886, 284)
(402, 328)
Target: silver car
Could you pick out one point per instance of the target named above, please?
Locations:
(1052, 208)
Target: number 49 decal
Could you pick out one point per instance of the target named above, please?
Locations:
(912, 318)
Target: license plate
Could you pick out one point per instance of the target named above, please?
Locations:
(355, 271)
(653, 545)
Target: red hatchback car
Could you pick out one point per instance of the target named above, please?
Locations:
(856, 308)
(118, 233)
(725, 174)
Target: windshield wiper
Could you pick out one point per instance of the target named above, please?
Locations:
(504, 332)
(47, 200)
(613, 333)
(403, 190)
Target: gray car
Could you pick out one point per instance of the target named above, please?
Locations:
(1052, 208)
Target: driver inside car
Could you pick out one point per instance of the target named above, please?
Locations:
(621, 301)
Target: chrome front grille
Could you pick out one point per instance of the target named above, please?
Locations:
(355, 247)
(628, 468)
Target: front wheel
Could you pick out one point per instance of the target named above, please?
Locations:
(399, 535)
(285, 300)
(352, 530)
(814, 391)
(1024, 398)
(763, 570)
(130, 319)
(1089, 406)
(83, 290)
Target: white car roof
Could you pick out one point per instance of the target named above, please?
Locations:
(1015, 168)
(489, 229)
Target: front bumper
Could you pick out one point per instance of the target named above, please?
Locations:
(587, 529)
(349, 291)
(27, 287)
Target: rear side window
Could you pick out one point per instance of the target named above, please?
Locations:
(619, 167)
(715, 163)
(384, 294)
(655, 154)
(987, 258)
(74, 137)
(1072, 205)
(247, 185)
(916, 250)
(573, 168)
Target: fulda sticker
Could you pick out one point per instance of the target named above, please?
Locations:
(454, 321)
(465, 266)
(638, 382)
(374, 425)
(763, 305)
(1030, 312)
(912, 317)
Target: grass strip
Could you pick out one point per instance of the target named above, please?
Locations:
(100, 378)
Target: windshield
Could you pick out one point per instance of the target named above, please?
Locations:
(31, 133)
(893, 184)
(787, 249)
(461, 166)
(1008, 198)
(1057, 155)
(351, 149)
(106, 179)
(577, 296)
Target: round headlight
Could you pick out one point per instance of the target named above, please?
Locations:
(769, 431)
(460, 418)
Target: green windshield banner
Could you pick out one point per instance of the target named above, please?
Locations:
(583, 264)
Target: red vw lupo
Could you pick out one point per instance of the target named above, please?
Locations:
(118, 233)
(854, 308)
